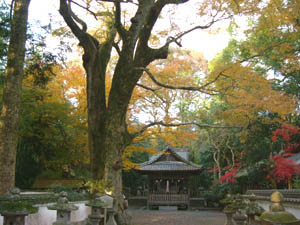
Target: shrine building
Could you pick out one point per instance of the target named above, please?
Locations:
(169, 178)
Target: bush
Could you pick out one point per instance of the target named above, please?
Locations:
(214, 196)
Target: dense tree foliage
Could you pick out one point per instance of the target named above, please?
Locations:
(134, 94)
(4, 35)
(51, 138)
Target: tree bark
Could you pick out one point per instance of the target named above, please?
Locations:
(95, 60)
(108, 134)
(12, 95)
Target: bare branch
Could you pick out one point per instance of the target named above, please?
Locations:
(161, 123)
(87, 9)
(180, 35)
(121, 1)
(154, 92)
(199, 89)
(145, 87)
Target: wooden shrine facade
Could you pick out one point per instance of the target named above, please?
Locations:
(169, 178)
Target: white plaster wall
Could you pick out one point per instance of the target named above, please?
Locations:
(47, 217)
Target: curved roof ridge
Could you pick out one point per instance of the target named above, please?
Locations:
(154, 159)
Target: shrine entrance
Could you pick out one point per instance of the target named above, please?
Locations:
(168, 179)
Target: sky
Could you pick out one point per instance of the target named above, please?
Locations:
(208, 44)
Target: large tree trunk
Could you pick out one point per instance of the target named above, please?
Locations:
(95, 60)
(108, 134)
(113, 170)
(12, 95)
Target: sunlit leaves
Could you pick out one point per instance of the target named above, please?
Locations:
(248, 93)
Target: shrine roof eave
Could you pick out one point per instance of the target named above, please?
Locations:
(175, 172)
(170, 167)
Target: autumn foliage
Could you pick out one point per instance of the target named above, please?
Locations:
(284, 168)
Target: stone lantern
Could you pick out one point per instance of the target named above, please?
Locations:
(277, 213)
(15, 210)
(239, 205)
(253, 209)
(64, 208)
(228, 209)
(97, 212)
(239, 217)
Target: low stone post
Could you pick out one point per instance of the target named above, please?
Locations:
(277, 213)
(64, 208)
(97, 212)
(239, 218)
(14, 210)
(111, 217)
(229, 214)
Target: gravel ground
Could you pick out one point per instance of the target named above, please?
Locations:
(171, 216)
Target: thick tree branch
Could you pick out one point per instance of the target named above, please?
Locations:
(11, 9)
(86, 40)
(138, 21)
(121, 30)
(116, 46)
(161, 123)
(151, 19)
(76, 18)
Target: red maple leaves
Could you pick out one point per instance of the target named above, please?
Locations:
(229, 176)
(285, 168)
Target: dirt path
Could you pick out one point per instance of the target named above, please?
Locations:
(170, 216)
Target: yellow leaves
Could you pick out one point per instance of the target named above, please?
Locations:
(134, 148)
(249, 93)
(99, 186)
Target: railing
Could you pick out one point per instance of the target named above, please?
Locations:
(290, 196)
(168, 199)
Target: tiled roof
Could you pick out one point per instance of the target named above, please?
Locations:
(169, 166)
(182, 164)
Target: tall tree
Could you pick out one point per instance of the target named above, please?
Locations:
(131, 38)
(12, 95)
(108, 134)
